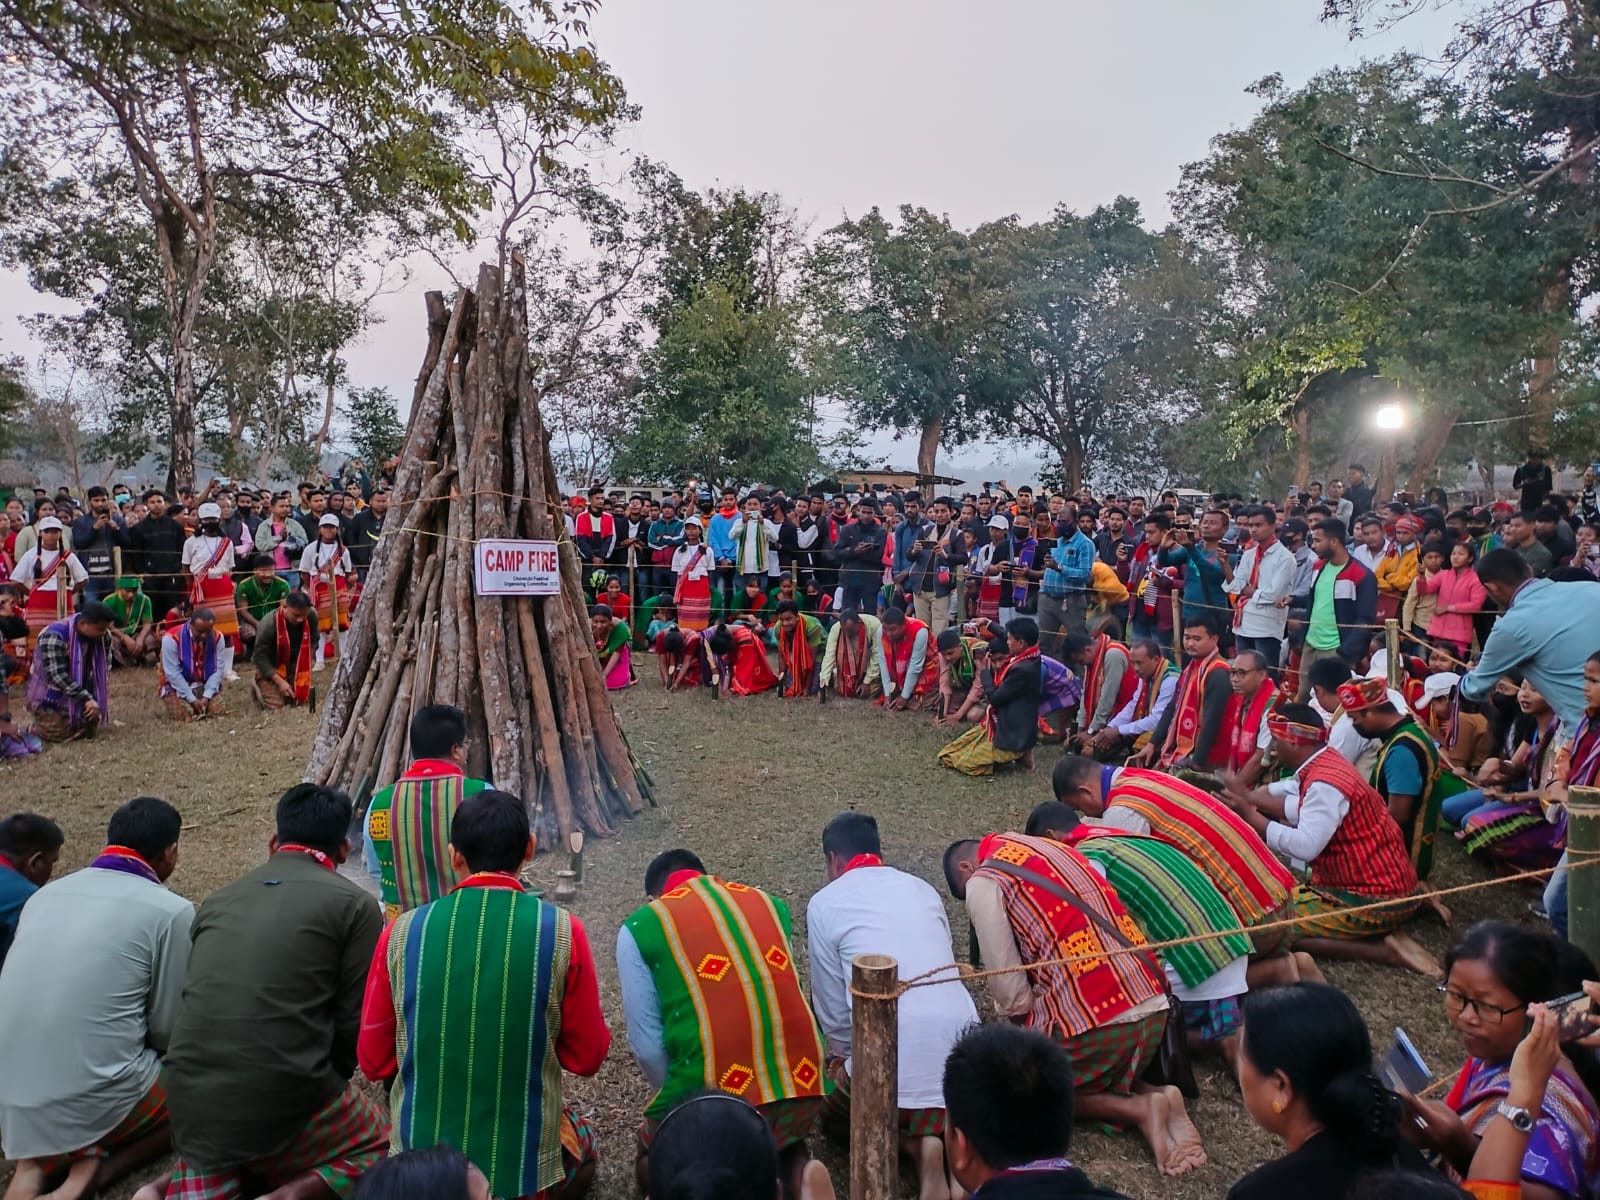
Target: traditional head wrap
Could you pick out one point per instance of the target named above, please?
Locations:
(1286, 730)
(1408, 524)
(1363, 693)
(128, 583)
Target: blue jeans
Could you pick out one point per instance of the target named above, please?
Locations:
(1555, 898)
(1455, 811)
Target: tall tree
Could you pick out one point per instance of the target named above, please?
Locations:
(201, 103)
(908, 316)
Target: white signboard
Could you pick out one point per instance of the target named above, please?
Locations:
(514, 567)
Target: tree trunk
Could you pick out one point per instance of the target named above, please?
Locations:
(180, 457)
(1441, 422)
(327, 423)
(1300, 426)
(928, 444)
(1072, 464)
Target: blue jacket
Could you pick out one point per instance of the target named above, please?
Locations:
(1548, 633)
(719, 535)
(1202, 577)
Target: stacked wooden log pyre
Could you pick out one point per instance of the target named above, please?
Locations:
(476, 465)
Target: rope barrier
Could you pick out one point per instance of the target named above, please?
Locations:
(965, 971)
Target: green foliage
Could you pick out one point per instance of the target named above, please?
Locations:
(376, 430)
(14, 397)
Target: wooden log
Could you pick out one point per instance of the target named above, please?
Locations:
(874, 1079)
(1177, 628)
(1391, 640)
(548, 757)
(396, 732)
(1583, 879)
(341, 752)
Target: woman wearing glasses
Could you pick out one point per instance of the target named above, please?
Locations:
(1493, 974)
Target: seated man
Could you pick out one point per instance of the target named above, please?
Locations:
(259, 597)
(1009, 1095)
(67, 681)
(800, 648)
(908, 681)
(1130, 729)
(1170, 899)
(285, 649)
(473, 1029)
(133, 633)
(870, 908)
(1330, 818)
(192, 669)
(406, 847)
(1109, 1012)
(1109, 681)
(1010, 728)
(1254, 694)
(709, 989)
(1406, 773)
(90, 992)
(29, 847)
(1193, 735)
(1218, 840)
(850, 664)
(258, 1077)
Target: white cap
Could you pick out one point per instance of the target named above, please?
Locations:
(696, 522)
(999, 523)
(51, 523)
(329, 519)
(209, 512)
(1440, 683)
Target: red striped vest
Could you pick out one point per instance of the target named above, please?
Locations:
(1367, 854)
(1212, 834)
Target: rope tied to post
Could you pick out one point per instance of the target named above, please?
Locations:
(954, 972)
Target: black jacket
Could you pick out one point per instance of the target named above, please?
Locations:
(1065, 1184)
(1015, 700)
(157, 543)
(860, 548)
(361, 536)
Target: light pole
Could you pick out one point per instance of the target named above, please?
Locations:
(1390, 420)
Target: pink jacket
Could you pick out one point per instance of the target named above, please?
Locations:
(1463, 594)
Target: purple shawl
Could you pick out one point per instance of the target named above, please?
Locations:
(1058, 686)
(186, 657)
(43, 694)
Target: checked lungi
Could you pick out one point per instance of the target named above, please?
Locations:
(1110, 1058)
(1338, 921)
(148, 1115)
(179, 709)
(914, 1122)
(578, 1146)
(790, 1121)
(1213, 1020)
(340, 1144)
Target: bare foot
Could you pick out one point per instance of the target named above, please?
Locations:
(27, 1181)
(156, 1189)
(1433, 904)
(1188, 1153)
(79, 1176)
(1027, 761)
(1309, 971)
(932, 1181)
(1410, 954)
(1153, 1124)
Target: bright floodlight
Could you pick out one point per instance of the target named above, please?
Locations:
(1389, 417)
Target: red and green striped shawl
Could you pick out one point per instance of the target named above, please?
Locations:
(1212, 834)
(409, 823)
(478, 980)
(733, 1013)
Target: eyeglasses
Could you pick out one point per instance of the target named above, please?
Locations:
(1490, 1014)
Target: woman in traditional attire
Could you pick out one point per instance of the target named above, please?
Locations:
(680, 656)
(1510, 827)
(1493, 974)
(741, 658)
(692, 565)
(324, 568)
(613, 642)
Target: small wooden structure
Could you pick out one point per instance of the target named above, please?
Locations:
(476, 464)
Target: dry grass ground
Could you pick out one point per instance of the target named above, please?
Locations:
(747, 784)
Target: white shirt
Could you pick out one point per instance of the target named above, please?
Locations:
(702, 568)
(197, 553)
(1343, 736)
(879, 910)
(1367, 558)
(46, 559)
(1261, 616)
(1124, 723)
(1311, 815)
(754, 532)
(318, 555)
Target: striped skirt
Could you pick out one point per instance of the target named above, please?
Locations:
(973, 753)
(1515, 834)
(1336, 918)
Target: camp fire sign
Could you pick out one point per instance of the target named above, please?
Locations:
(516, 567)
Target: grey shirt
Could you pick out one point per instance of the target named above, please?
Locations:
(90, 992)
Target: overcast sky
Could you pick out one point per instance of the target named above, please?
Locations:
(977, 111)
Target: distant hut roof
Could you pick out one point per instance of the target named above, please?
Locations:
(14, 474)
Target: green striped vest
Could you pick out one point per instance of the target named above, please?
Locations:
(733, 1013)
(1409, 738)
(478, 979)
(409, 824)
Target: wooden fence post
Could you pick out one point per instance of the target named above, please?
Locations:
(1391, 639)
(874, 1079)
(1177, 629)
(1583, 885)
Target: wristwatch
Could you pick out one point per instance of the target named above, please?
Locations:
(1521, 1119)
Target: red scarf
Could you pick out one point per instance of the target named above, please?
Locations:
(862, 860)
(989, 716)
(491, 879)
(1255, 576)
(678, 878)
(1185, 726)
(1246, 723)
(315, 855)
(899, 661)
